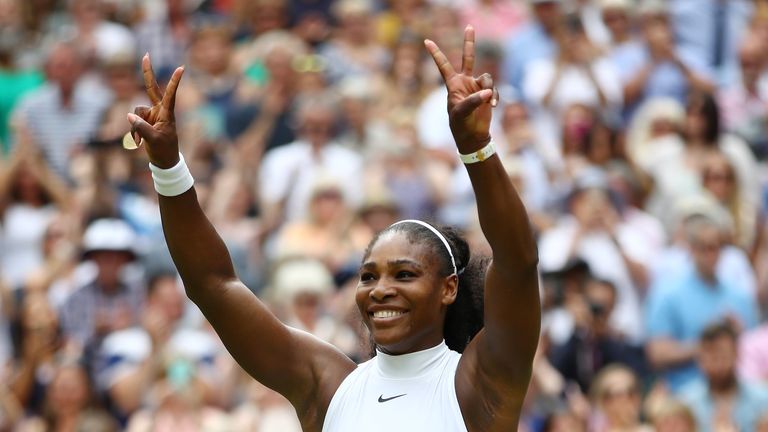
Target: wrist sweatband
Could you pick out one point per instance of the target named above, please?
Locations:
(172, 181)
(484, 153)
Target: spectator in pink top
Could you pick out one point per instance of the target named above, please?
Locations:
(753, 354)
(495, 19)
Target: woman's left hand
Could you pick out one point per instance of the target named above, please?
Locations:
(470, 99)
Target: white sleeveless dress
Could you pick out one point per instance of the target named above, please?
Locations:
(405, 393)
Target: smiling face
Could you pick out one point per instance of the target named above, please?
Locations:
(403, 295)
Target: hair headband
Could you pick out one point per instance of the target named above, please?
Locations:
(437, 233)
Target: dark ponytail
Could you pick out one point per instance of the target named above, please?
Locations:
(465, 316)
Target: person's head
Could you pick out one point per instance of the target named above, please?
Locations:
(411, 296)
(653, 11)
(604, 143)
(573, 43)
(563, 420)
(63, 66)
(25, 186)
(316, 120)
(616, 392)
(564, 284)
(548, 13)
(514, 114)
(705, 240)
(354, 19)
(300, 287)
(752, 59)
(326, 202)
(110, 244)
(177, 8)
(165, 296)
(718, 354)
(600, 295)
(406, 66)
(578, 121)
(87, 13)
(488, 57)
(617, 17)
(266, 15)
(279, 50)
(356, 98)
(211, 48)
(702, 120)
(69, 393)
(120, 75)
(379, 209)
(591, 198)
(311, 71)
(718, 176)
(659, 37)
(673, 416)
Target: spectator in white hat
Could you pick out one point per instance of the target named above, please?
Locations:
(110, 299)
(302, 288)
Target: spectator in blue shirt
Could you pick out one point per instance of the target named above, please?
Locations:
(720, 400)
(534, 42)
(712, 30)
(654, 66)
(680, 307)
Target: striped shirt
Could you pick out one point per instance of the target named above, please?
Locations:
(56, 129)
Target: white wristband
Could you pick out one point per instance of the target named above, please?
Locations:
(172, 181)
(480, 155)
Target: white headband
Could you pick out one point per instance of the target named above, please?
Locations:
(437, 233)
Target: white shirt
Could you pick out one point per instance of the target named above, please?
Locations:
(573, 87)
(605, 262)
(21, 241)
(290, 172)
(407, 393)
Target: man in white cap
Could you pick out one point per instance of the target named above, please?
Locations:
(111, 297)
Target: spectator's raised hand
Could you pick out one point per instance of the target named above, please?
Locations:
(470, 99)
(156, 126)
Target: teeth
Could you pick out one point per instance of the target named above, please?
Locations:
(386, 314)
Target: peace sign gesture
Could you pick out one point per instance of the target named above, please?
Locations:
(156, 126)
(470, 99)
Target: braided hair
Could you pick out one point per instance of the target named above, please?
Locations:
(464, 317)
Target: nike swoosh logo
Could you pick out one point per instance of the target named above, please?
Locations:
(383, 399)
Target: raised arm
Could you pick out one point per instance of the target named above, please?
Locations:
(297, 365)
(496, 367)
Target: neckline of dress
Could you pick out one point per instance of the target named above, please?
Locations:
(410, 365)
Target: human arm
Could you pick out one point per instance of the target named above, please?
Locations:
(665, 352)
(493, 375)
(549, 94)
(635, 88)
(303, 369)
(663, 348)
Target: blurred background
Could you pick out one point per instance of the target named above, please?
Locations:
(635, 131)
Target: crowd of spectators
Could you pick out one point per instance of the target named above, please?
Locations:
(635, 130)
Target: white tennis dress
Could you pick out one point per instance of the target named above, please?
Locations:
(405, 393)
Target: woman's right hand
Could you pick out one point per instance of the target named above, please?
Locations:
(156, 126)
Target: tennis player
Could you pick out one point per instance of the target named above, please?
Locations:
(455, 337)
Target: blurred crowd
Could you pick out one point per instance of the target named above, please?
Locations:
(636, 132)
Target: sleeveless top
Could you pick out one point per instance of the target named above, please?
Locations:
(405, 393)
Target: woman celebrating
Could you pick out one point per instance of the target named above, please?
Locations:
(415, 290)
